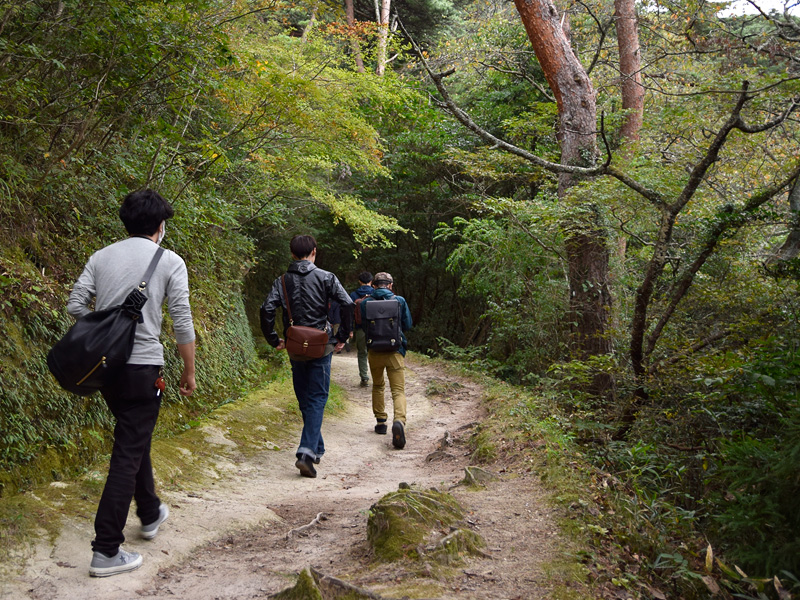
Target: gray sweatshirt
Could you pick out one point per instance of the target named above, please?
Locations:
(111, 273)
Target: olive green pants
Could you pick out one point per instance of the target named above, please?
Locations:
(393, 364)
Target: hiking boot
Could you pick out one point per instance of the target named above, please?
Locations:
(306, 465)
(398, 435)
(364, 382)
(317, 459)
(380, 428)
(148, 532)
(121, 562)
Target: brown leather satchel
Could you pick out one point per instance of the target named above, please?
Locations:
(300, 340)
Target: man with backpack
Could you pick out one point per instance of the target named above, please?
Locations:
(385, 318)
(358, 295)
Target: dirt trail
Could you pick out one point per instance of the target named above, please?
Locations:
(231, 539)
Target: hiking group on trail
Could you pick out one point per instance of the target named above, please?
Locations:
(305, 293)
(133, 390)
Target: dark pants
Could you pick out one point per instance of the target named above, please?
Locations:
(133, 401)
(312, 380)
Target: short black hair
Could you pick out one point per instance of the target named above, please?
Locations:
(302, 246)
(143, 211)
(365, 277)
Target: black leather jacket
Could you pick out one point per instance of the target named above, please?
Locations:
(310, 289)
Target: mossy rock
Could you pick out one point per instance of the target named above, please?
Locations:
(313, 585)
(306, 588)
(403, 522)
(477, 477)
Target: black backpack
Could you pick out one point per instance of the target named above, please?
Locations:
(383, 325)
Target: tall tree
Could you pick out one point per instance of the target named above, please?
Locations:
(382, 9)
(587, 249)
(692, 179)
(629, 69)
(350, 14)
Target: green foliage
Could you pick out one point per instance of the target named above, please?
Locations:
(241, 127)
(505, 258)
(757, 476)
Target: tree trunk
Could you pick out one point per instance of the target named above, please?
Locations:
(630, 69)
(587, 250)
(354, 45)
(631, 90)
(791, 247)
(383, 35)
(311, 22)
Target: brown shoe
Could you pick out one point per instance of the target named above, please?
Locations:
(398, 435)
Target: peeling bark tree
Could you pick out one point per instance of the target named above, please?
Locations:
(587, 249)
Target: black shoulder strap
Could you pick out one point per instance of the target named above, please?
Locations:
(286, 295)
(149, 273)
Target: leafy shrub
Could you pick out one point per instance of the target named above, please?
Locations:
(757, 482)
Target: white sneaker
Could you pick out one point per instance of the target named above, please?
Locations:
(121, 562)
(148, 532)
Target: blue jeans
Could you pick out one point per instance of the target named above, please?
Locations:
(312, 380)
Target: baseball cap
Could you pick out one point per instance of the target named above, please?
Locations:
(383, 277)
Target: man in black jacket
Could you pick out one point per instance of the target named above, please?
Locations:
(309, 290)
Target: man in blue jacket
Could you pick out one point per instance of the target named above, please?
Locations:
(393, 363)
(364, 290)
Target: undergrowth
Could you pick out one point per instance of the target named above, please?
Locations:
(633, 506)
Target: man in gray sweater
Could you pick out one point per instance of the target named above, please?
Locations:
(134, 397)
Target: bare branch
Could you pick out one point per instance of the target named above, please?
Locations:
(299, 530)
(726, 221)
(769, 124)
(699, 171)
(465, 120)
(542, 90)
(696, 347)
(654, 197)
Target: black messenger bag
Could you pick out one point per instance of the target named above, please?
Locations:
(99, 344)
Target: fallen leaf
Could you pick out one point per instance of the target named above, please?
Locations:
(711, 584)
(783, 594)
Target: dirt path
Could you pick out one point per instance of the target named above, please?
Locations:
(230, 538)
